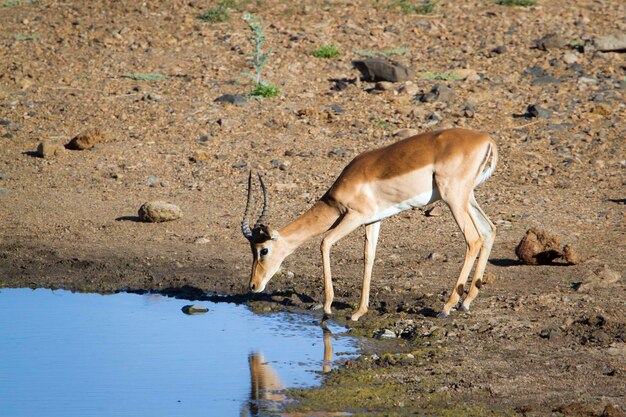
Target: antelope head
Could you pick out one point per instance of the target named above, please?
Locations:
(268, 251)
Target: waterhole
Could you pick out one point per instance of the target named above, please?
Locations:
(68, 354)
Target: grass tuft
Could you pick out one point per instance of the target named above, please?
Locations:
(424, 7)
(445, 76)
(217, 14)
(145, 77)
(19, 37)
(264, 90)
(372, 54)
(326, 51)
(520, 3)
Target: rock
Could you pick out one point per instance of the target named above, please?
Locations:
(49, 150)
(488, 278)
(381, 69)
(152, 181)
(467, 74)
(236, 99)
(337, 108)
(151, 97)
(437, 257)
(550, 41)
(201, 241)
(600, 278)
(434, 211)
(571, 256)
(199, 155)
(195, 309)
(469, 109)
(439, 92)
(87, 140)
(612, 410)
(570, 58)
(159, 211)
(538, 247)
(611, 43)
(545, 79)
(551, 333)
(338, 153)
(536, 111)
(385, 334)
(500, 49)
(409, 88)
(405, 133)
(384, 86)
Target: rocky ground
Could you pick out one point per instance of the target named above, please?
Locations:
(540, 340)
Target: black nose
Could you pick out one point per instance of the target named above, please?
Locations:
(252, 287)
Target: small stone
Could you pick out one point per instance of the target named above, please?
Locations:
(488, 278)
(611, 43)
(600, 278)
(571, 256)
(434, 211)
(381, 69)
(339, 153)
(240, 165)
(536, 111)
(87, 140)
(437, 257)
(570, 58)
(404, 133)
(439, 92)
(152, 181)
(538, 247)
(384, 86)
(49, 150)
(159, 211)
(337, 108)
(151, 97)
(469, 109)
(500, 49)
(195, 309)
(385, 334)
(550, 41)
(236, 99)
(201, 241)
(199, 155)
(467, 74)
(551, 333)
(545, 79)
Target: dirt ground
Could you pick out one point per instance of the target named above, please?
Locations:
(537, 341)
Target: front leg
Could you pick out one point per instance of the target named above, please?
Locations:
(350, 221)
(371, 239)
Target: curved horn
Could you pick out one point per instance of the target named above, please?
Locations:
(266, 206)
(245, 224)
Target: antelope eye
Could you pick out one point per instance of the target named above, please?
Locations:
(263, 251)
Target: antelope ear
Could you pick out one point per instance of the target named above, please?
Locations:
(274, 235)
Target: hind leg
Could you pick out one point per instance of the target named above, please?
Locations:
(461, 211)
(488, 233)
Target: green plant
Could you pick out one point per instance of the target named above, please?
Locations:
(11, 3)
(19, 37)
(217, 14)
(521, 3)
(326, 51)
(259, 59)
(264, 90)
(445, 76)
(382, 124)
(371, 54)
(424, 7)
(145, 77)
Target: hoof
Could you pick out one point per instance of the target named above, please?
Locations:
(463, 308)
(443, 315)
(326, 317)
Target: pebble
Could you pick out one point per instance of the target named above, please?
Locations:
(404, 133)
(611, 43)
(87, 140)
(159, 211)
(337, 108)
(434, 211)
(570, 58)
(384, 86)
(195, 309)
(386, 334)
(439, 92)
(49, 150)
(201, 241)
(436, 256)
(199, 155)
(550, 41)
(236, 99)
(467, 74)
(536, 111)
(381, 69)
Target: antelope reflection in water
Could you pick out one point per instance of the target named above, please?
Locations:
(266, 387)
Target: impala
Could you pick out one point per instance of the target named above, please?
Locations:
(442, 165)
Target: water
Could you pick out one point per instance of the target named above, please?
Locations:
(86, 355)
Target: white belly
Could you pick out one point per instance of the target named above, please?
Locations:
(418, 201)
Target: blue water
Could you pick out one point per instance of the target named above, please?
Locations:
(64, 354)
